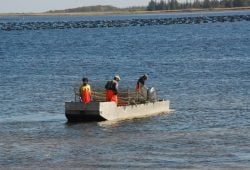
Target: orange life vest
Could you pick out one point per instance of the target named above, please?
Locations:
(111, 91)
(85, 93)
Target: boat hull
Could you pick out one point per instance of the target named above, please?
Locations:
(100, 111)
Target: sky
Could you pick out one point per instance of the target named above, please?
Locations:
(25, 6)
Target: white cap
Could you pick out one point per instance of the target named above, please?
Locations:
(117, 77)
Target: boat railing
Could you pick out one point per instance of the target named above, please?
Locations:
(125, 97)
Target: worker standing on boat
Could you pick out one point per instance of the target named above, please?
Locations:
(141, 89)
(85, 91)
(141, 83)
(112, 89)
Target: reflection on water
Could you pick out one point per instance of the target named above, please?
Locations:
(139, 143)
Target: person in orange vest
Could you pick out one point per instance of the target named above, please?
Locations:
(85, 91)
(112, 89)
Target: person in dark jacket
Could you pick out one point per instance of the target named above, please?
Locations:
(112, 89)
(141, 83)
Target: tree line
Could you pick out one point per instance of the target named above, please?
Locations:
(174, 4)
(98, 8)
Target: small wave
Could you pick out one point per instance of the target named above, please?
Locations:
(32, 118)
(212, 109)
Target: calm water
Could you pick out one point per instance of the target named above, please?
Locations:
(203, 69)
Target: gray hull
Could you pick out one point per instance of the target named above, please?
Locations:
(100, 111)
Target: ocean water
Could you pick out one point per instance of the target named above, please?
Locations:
(203, 69)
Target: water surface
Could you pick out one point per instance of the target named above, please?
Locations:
(202, 69)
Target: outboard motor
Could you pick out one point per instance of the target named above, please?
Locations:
(151, 94)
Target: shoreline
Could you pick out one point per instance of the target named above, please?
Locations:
(127, 12)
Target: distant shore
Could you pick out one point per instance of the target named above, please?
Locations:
(125, 12)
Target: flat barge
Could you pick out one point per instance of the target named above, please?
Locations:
(100, 111)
